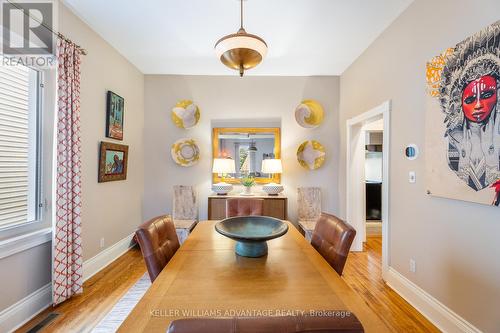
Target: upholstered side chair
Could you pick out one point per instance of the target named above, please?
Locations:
(333, 238)
(185, 211)
(309, 209)
(244, 207)
(158, 241)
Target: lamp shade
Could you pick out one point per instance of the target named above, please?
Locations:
(272, 166)
(223, 165)
(241, 51)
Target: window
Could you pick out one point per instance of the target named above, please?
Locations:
(20, 146)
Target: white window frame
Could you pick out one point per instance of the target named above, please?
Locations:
(19, 237)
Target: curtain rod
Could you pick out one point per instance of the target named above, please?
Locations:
(58, 34)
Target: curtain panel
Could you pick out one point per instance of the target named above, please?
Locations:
(67, 276)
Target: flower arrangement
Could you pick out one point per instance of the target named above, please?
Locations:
(248, 181)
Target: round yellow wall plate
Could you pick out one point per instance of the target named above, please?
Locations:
(309, 114)
(185, 114)
(311, 154)
(185, 152)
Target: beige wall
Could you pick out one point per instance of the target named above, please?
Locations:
(24, 273)
(235, 98)
(110, 210)
(455, 243)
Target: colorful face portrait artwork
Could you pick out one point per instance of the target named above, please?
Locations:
(114, 116)
(463, 120)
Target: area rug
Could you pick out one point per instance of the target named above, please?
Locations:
(122, 309)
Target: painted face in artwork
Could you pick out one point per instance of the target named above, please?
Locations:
(479, 98)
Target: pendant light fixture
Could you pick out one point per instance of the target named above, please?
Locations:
(241, 51)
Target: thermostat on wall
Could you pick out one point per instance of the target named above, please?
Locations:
(411, 152)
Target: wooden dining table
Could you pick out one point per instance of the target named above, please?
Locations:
(205, 278)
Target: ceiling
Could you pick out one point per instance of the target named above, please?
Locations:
(305, 37)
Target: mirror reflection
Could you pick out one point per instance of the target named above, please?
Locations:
(247, 147)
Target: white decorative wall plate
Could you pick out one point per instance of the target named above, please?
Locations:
(311, 154)
(185, 152)
(309, 113)
(185, 114)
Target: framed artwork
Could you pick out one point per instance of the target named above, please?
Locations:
(115, 107)
(113, 159)
(463, 120)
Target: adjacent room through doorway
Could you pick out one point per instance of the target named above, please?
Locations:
(373, 177)
(368, 180)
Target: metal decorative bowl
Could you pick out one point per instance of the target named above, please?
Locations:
(251, 233)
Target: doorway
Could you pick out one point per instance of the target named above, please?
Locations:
(359, 128)
(374, 146)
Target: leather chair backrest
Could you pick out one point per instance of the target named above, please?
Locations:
(244, 207)
(158, 241)
(332, 238)
(289, 324)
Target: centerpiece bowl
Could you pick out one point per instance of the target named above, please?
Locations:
(251, 233)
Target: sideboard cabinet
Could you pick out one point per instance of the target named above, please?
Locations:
(274, 206)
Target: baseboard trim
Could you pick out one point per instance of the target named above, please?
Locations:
(93, 265)
(23, 311)
(439, 314)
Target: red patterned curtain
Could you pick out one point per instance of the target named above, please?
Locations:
(67, 276)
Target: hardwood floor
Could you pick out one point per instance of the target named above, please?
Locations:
(101, 292)
(362, 272)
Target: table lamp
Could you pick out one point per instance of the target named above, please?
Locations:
(272, 166)
(223, 166)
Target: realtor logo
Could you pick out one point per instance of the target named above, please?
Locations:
(27, 28)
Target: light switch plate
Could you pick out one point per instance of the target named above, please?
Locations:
(413, 265)
(412, 177)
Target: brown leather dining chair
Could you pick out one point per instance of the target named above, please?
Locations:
(273, 324)
(332, 238)
(244, 207)
(158, 241)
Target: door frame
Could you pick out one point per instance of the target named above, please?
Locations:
(355, 208)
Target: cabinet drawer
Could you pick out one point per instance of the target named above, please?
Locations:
(216, 208)
(274, 207)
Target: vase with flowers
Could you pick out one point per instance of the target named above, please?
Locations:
(247, 182)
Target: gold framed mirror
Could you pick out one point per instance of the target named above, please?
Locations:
(247, 147)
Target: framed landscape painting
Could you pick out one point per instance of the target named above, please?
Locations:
(115, 106)
(112, 162)
(463, 120)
